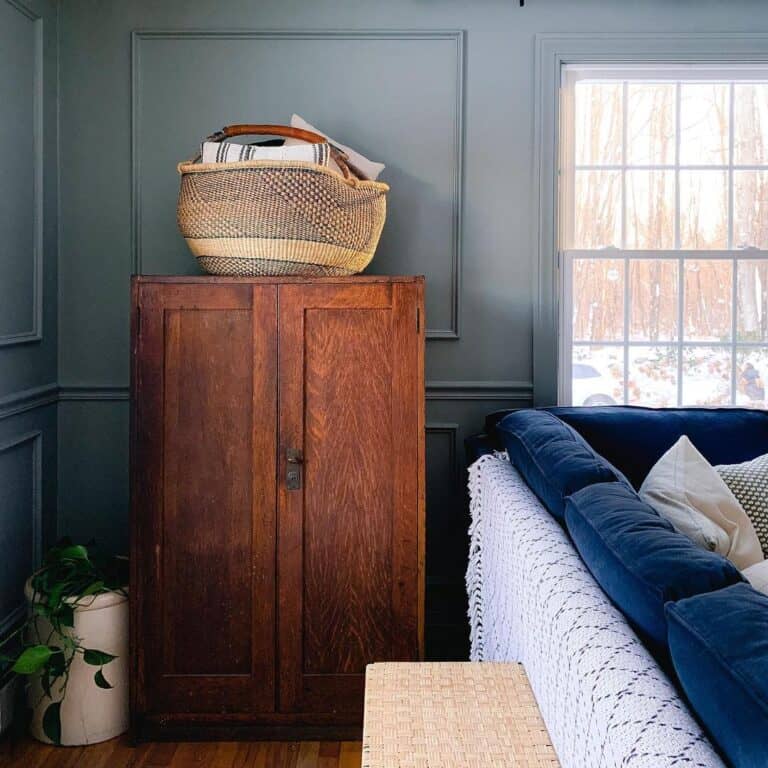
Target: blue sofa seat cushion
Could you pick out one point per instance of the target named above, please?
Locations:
(633, 439)
(552, 457)
(639, 560)
(719, 648)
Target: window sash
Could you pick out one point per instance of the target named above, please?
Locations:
(678, 75)
(679, 344)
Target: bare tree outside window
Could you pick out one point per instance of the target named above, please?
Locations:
(665, 259)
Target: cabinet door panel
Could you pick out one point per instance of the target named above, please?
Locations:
(204, 497)
(350, 402)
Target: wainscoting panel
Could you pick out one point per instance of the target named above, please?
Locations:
(376, 90)
(21, 479)
(444, 507)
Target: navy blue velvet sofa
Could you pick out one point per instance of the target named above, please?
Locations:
(696, 613)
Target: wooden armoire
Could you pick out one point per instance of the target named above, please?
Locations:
(277, 476)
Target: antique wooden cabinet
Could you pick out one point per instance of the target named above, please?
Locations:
(277, 481)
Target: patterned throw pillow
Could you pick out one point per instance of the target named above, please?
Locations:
(749, 484)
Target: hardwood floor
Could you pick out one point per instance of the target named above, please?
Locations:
(118, 753)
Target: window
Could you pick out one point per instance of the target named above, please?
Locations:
(664, 236)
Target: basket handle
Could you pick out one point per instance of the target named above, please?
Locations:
(245, 129)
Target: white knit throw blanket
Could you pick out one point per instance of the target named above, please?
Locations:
(604, 699)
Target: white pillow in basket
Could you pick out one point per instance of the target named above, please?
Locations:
(684, 488)
(367, 169)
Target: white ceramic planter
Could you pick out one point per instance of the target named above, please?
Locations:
(90, 714)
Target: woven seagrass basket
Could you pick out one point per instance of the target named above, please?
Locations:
(266, 217)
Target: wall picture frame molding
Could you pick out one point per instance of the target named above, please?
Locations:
(35, 332)
(140, 38)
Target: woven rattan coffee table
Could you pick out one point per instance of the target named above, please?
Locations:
(452, 715)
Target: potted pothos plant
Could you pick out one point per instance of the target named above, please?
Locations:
(73, 646)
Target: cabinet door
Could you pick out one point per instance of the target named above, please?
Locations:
(351, 408)
(203, 477)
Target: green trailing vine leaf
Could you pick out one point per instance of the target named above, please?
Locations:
(32, 659)
(93, 589)
(97, 658)
(52, 722)
(70, 574)
(100, 680)
(73, 552)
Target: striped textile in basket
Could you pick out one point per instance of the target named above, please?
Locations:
(230, 152)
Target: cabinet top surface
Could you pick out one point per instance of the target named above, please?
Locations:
(213, 279)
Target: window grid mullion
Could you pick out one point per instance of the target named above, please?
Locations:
(754, 254)
(734, 261)
(627, 300)
(734, 324)
(624, 160)
(669, 343)
(682, 166)
(680, 259)
(624, 142)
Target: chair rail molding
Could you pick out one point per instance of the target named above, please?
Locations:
(516, 391)
(552, 52)
(28, 399)
(140, 37)
(35, 333)
(87, 393)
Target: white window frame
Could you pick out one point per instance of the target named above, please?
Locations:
(553, 52)
(678, 75)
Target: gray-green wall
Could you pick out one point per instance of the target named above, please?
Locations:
(28, 292)
(440, 90)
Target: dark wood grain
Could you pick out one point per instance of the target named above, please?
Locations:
(120, 753)
(254, 608)
(349, 542)
(348, 491)
(203, 511)
(207, 485)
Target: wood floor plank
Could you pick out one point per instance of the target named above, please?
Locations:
(350, 754)
(24, 753)
(63, 757)
(245, 757)
(103, 755)
(226, 751)
(193, 753)
(309, 754)
(160, 754)
(120, 753)
(278, 754)
(328, 757)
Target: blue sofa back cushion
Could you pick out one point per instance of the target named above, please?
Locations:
(633, 439)
(719, 648)
(551, 457)
(639, 560)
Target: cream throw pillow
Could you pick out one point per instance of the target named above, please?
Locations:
(757, 576)
(684, 488)
(368, 169)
